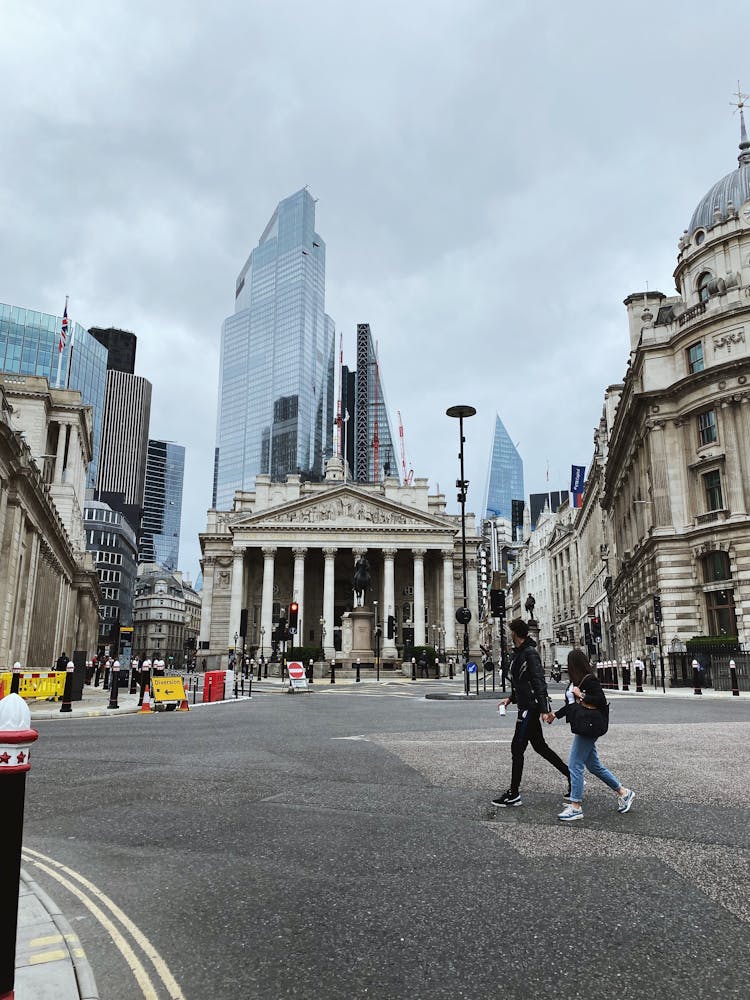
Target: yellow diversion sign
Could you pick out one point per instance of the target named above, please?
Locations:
(167, 689)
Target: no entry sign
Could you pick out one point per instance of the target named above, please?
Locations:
(297, 676)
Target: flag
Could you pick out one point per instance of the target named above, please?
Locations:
(577, 474)
(63, 328)
(547, 470)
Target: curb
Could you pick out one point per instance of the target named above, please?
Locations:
(87, 989)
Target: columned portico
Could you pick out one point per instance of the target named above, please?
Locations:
(329, 554)
(266, 607)
(419, 631)
(389, 601)
(449, 611)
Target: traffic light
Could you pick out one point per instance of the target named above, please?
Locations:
(497, 603)
(391, 626)
(657, 609)
(596, 629)
(293, 616)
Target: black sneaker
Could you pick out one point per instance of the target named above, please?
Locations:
(507, 799)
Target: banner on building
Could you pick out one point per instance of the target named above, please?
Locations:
(577, 476)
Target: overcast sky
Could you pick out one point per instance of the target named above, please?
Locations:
(493, 177)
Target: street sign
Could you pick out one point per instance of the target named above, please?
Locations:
(297, 676)
(471, 667)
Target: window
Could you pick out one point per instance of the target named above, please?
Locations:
(695, 357)
(721, 616)
(707, 427)
(712, 487)
(716, 567)
(702, 285)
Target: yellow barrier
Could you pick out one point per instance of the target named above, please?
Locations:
(5, 680)
(166, 689)
(48, 685)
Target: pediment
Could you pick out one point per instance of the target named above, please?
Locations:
(342, 508)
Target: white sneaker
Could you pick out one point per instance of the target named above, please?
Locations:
(570, 814)
(624, 802)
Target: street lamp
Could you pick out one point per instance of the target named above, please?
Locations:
(463, 615)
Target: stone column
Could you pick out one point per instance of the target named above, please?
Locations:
(329, 555)
(389, 602)
(266, 606)
(235, 600)
(206, 598)
(60, 456)
(298, 592)
(735, 499)
(659, 478)
(449, 602)
(419, 636)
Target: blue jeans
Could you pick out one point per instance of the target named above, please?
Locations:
(583, 754)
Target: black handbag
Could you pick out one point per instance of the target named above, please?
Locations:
(589, 722)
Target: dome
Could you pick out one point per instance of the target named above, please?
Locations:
(731, 192)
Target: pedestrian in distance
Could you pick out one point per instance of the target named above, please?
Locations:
(62, 661)
(528, 691)
(586, 690)
(422, 661)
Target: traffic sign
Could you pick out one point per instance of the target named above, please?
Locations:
(297, 676)
(471, 667)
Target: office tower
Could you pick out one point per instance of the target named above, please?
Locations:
(29, 345)
(505, 475)
(111, 541)
(162, 504)
(348, 410)
(374, 454)
(121, 345)
(276, 368)
(122, 468)
(537, 502)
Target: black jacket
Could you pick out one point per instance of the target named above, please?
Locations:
(527, 687)
(592, 694)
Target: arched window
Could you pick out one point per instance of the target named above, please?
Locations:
(702, 285)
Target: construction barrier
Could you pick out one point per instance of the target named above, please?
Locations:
(168, 692)
(49, 685)
(213, 685)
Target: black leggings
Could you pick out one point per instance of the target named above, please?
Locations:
(529, 730)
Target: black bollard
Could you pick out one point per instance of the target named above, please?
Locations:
(16, 743)
(209, 690)
(105, 685)
(195, 688)
(250, 685)
(260, 667)
(97, 674)
(413, 669)
(625, 676)
(67, 699)
(358, 679)
(451, 674)
(15, 679)
(265, 670)
(333, 671)
(733, 675)
(114, 689)
(133, 681)
(145, 681)
(638, 680)
(615, 681)
(696, 678)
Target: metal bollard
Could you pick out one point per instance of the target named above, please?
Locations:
(696, 678)
(358, 679)
(235, 685)
(132, 689)
(333, 671)
(625, 676)
(733, 675)
(105, 685)
(639, 680)
(451, 674)
(250, 685)
(16, 737)
(15, 679)
(97, 674)
(67, 699)
(615, 680)
(260, 667)
(113, 689)
(195, 689)
(413, 669)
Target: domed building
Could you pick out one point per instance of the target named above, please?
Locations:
(677, 480)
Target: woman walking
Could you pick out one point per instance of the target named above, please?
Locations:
(587, 691)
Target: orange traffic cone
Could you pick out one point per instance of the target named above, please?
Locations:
(183, 706)
(146, 706)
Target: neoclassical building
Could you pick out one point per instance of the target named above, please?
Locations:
(299, 541)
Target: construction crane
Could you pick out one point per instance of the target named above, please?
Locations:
(407, 476)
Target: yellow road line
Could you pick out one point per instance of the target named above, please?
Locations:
(47, 956)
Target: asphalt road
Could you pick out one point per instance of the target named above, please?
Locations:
(342, 845)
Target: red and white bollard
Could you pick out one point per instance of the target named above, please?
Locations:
(15, 679)
(733, 676)
(16, 737)
(696, 678)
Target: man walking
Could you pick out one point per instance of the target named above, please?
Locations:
(529, 692)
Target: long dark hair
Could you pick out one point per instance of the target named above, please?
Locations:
(578, 666)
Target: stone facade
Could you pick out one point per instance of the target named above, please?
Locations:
(49, 593)
(296, 541)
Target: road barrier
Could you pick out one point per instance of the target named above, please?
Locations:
(50, 684)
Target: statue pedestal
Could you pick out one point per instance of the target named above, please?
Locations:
(362, 624)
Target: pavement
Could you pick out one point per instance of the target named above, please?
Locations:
(50, 962)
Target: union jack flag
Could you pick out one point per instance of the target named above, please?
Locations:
(64, 327)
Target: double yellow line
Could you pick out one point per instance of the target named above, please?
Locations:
(97, 903)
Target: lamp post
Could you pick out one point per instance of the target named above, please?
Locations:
(262, 661)
(463, 615)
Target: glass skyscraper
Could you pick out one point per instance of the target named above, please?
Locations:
(276, 369)
(29, 346)
(371, 421)
(505, 475)
(162, 504)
